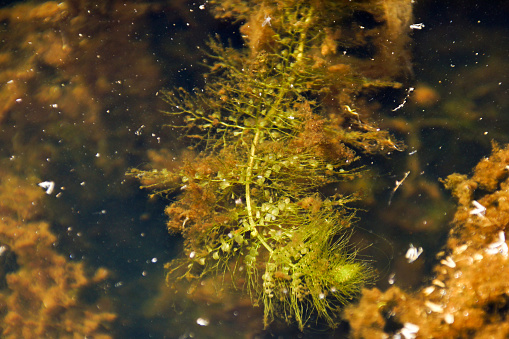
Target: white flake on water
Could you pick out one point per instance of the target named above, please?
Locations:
(49, 186)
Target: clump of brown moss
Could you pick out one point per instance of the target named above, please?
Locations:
(468, 295)
(41, 291)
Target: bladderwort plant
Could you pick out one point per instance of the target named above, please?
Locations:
(251, 204)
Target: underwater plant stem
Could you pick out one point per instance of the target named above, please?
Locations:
(302, 37)
(249, 173)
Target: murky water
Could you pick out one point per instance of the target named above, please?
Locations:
(79, 106)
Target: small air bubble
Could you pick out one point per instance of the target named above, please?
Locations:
(202, 322)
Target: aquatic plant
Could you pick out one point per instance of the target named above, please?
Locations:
(43, 293)
(252, 203)
(467, 294)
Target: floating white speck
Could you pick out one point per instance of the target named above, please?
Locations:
(408, 331)
(461, 249)
(449, 262)
(413, 253)
(428, 290)
(477, 257)
(434, 307)
(49, 186)
(438, 283)
(184, 224)
(449, 318)
(139, 130)
(398, 183)
(499, 246)
(409, 91)
(417, 26)
(266, 21)
(479, 209)
(202, 322)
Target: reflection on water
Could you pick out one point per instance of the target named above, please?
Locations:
(79, 106)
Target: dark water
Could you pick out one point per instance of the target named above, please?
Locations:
(90, 111)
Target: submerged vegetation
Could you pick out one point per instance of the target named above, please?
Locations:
(277, 127)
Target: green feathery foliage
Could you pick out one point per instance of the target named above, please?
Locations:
(249, 204)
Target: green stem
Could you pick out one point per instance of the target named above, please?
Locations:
(249, 174)
(249, 170)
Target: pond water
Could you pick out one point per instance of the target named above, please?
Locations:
(80, 106)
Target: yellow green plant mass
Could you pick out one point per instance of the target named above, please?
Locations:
(252, 203)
